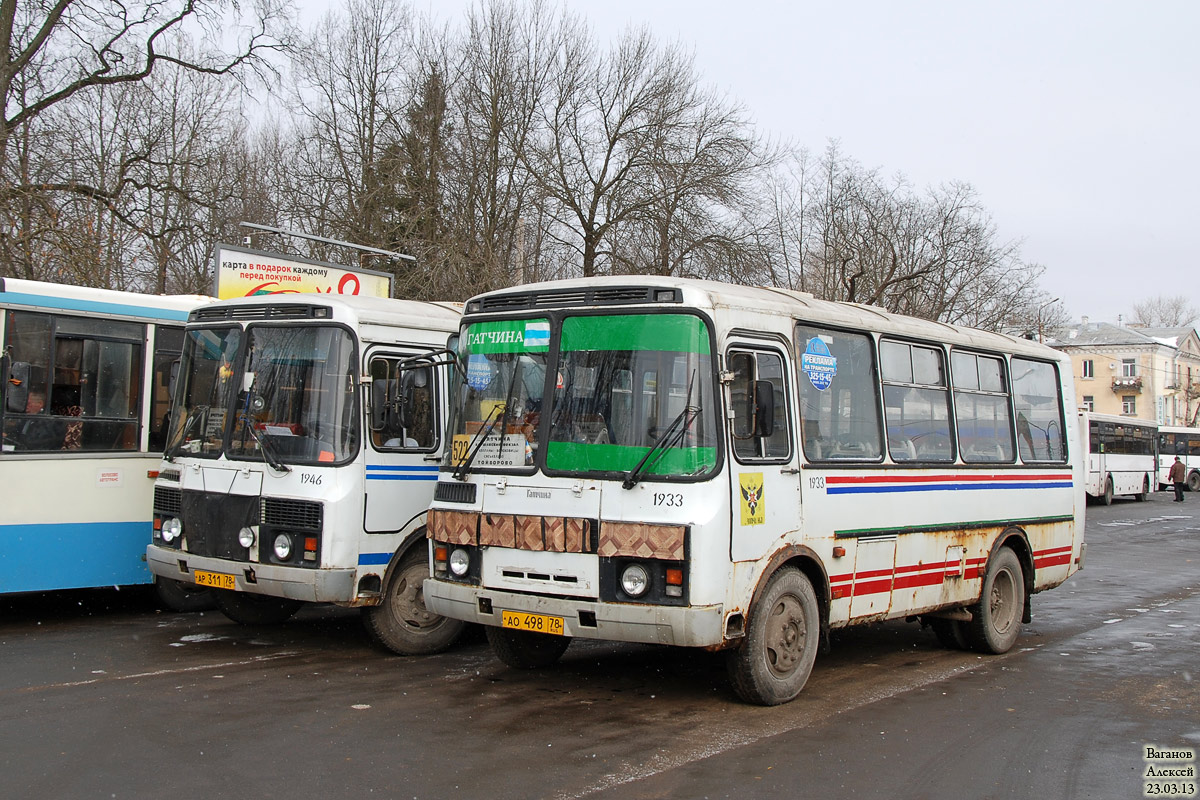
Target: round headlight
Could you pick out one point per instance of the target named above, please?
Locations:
(460, 562)
(635, 580)
(283, 547)
(172, 529)
(246, 537)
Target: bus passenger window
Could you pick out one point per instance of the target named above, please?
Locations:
(1041, 435)
(985, 431)
(915, 402)
(839, 403)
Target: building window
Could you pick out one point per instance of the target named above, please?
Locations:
(1089, 402)
(1128, 368)
(1088, 371)
(1129, 404)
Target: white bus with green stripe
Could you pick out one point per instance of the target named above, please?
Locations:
(699, 464)
(305, 437)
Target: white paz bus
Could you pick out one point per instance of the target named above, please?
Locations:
(707, 465)
(1184, 443)
(305, 437)
(85, 375)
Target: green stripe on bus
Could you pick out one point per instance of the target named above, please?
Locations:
(508, 336)
(620, 458)
(680, 333)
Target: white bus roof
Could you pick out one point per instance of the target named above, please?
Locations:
(417, 314)
(785, 303)
(64, 297)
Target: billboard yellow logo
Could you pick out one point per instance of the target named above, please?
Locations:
(754, 510)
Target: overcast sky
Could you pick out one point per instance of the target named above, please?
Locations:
(1076, 122)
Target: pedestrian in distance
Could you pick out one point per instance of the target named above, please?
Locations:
(1176, 476)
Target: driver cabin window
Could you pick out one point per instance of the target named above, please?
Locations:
(758, 395)
(406, 416)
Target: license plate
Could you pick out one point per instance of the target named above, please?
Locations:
(216, 580)
(538, 623)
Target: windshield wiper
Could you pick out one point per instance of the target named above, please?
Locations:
(669, 438)
(267, 448)
(192, 419)
(481, 435)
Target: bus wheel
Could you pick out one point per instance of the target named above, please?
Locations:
(525, 649)
(1145, 492)
(996, 619)
(774, 662)
(402, 623)
(1107, 497)
(1193, 482)
(183, 596)
(949, 633)
(255, 609)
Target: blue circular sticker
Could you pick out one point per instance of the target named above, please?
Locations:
(818, 364)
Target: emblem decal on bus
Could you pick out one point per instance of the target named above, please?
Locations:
(754, 511)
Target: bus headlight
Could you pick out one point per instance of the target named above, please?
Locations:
(460, 562)
(172, 529)
(246, 538)
(283, 547)
(635, 580)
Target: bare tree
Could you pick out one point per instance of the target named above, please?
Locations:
(55, 52)
(1164, 312)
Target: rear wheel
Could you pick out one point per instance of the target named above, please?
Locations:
(1193, 482)
(526, 650)
(183, 596)
(402, 623)
(776, 658)
(255, 609)
(1107, 497)
(996, 619)
(1144, 493)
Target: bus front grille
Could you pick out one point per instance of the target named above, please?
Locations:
(297, 514)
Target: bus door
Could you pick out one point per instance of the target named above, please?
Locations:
(403, 439)
(764, 477)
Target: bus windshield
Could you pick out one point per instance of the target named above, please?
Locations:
(287, 396)
(629, 390)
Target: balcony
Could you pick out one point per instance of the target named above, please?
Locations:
(1127, 384)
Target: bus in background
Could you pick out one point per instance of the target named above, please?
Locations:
(1182, 442)
(305, 437)
(1121, 457)
(86, 376)
(690, 463)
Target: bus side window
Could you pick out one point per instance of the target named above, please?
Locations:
(1041, 435)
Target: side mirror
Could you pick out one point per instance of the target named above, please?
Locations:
(16, 388)
(379, 403)
(764, 408)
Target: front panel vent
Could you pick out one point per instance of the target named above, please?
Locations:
(300, 514)
(168, 500)
(576, 297)
(454, 492)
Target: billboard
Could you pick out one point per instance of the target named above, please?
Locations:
(242, 272)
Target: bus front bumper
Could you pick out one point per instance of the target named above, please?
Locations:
(297, 583)
(696, 626)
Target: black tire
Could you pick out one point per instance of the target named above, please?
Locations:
(996, 618)
(775, 659)
(1145, 492)
(949, 633)
(183, 596)
(255, 609)
(402, 624)
(1107, 496)
(1193, 482)
(526, 650)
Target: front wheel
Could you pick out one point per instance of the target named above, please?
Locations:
(183, 596)
(777, 656)
(255, 609)
(402, 623)
(525, 649)
(996, 619)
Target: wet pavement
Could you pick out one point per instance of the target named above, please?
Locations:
(102, 695)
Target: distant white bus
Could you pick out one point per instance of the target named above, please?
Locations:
(1182, 442)
(1120, 456)
(85, 396)
(698, 464)
(306, 433)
